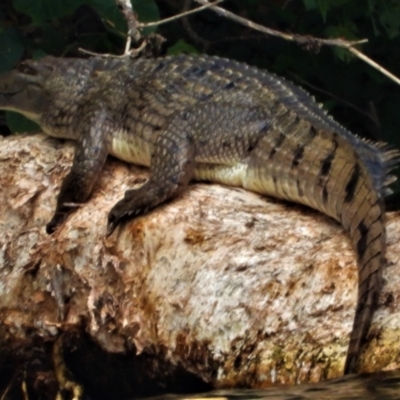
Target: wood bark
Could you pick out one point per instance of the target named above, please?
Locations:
(236, 288)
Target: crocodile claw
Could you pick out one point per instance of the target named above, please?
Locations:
(119, 213)
(57, 219)
(129, 207)
(112, 223)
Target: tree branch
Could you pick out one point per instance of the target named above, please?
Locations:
(177, 16)
(308, 42)
(305, 41)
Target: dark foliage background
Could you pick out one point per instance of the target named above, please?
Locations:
(357, 95)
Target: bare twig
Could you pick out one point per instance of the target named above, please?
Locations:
(309, 42)
(135, 27)
(189, 29)
(132, 34)
(177, 16)
(302, 40)
(384, 71)
(130, 53)
(133, 23)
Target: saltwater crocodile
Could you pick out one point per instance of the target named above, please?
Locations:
(213, 119)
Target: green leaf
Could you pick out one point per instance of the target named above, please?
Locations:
(324, 7)
(43, 10)
(310, 4)
(18, 123)
(110, 13)
(11, 48)
(182, 47)
(147, 11)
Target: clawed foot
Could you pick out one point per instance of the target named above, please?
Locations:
(134, 203)
(55, 221)
(59, 217)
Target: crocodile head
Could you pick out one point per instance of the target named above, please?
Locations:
(25, 89)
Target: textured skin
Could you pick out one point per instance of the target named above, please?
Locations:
(211, 119)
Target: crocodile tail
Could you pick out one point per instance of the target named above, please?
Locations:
(390, 159)
(369, 239)
(336, 180)
(364, 218)
(379, 159)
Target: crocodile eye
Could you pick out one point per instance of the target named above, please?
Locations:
(33, 68)
(27, 69)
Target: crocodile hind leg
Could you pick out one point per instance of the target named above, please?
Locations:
(190, 146)
(172, 167)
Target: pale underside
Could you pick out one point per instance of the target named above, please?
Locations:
(135, 150)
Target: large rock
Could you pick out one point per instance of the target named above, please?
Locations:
(235, 288)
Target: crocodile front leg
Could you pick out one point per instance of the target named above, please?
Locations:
(171, 169)
(90, 155)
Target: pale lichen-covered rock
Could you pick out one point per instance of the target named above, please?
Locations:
(233, 287)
